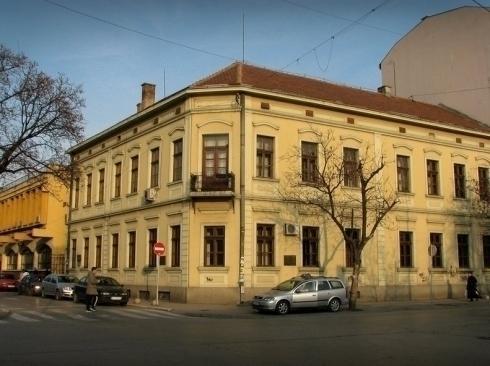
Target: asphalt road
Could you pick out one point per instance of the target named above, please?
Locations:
(66, 335)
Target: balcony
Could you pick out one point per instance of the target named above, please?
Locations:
(213, 187)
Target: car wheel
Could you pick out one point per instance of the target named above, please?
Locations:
(30, 292)
(57, 295)
(334, 305)
(75, 297)
(282, 307)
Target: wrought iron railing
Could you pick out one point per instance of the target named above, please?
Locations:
(218, 182)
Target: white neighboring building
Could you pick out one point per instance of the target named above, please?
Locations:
(445, 59)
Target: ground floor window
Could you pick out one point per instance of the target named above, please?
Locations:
(11, 260)
(463, 251)
(132, 249)
(406, 249)
(152, 239)
(436, 242)
(175, 245)
(85, 252)
(115, 251)
(44, 258)
(265, 245)
(74, 253)
(214, 246)
(353, 234)
(310, 246)
(27, 259)
(98, 251)
(486, 251)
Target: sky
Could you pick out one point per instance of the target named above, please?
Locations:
(111, 47)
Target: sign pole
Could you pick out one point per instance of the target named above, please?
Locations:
(158, 251)
(158, 276)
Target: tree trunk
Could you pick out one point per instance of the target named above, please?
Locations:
(354, 286)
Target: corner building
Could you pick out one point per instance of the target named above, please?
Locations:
(200, 170)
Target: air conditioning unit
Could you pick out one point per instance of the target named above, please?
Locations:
(291, 229)
(150, 194)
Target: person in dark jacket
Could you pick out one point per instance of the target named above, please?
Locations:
(471, 287)
(91, 293)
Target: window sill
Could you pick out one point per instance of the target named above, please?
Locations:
(461, 199)
(147, 269)
(486, 270)
(265, 269)
(115, 198)
(132, 194)
(213, 269)
(354, 188)
(87, 205)
(127, 269)
(464, 270)
(264, 179)
(313, 269)
(173, 269)
(99, 203)
(174, 183)
(411, 194)
(351, 269)
(438, 270)
(434, 196)
(113, 269)
(407, 269)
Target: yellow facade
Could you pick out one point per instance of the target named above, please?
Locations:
(33, 215)
(214, 212)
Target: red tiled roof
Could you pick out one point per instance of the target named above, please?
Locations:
(281, 82)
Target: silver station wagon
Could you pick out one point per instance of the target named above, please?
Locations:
(303, 292)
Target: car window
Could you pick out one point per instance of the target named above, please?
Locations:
(287, 285)
(67, 279)
(107, 281)
(307, 287)
(336, 284)
(7, 277)
(323, 285)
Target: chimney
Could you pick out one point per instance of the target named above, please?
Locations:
(147, 96)
(385, 89)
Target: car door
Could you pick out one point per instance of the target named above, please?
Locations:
(47, 285)
(81, 288)
(338, 290)
(305, 295)
(324, 293)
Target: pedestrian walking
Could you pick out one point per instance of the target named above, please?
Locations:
(91, 293)
(471, 287)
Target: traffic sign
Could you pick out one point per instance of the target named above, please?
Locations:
(159, 249)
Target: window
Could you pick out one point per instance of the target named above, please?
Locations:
(117, 180)
(77, 193)
(132, 249)
(433, 177)
(115, 251)
(265, 245)
(12, 260)
(134, 174)
(309, 161)
(88, 199)
(436, 241)
(405, 249)
(215, 155)
(86, 247)
(463, 251)
(175, 245)
(177, 166)
(154, 169)
(101, 184)
(350, 247)
(351, 160)
(214, 246)
(486, 251)
(483, 184)
(152, 239)
(459, 181)
(98, 251)
(403, 173)
(265, 155)
(310, 246)
(74, 253)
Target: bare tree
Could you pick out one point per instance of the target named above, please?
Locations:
(40, 117)
(351, 193)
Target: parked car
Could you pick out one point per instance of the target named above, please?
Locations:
(303, 292)
(30, 285)
(8, 282)
(58, 285)
(109, 291)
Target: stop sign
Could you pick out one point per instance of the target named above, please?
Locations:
(159, 249)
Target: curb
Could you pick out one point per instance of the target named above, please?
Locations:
(4, 314)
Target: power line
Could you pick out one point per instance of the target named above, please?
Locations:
(450, 92)
(137, 31)
(338, 17)
(481, 6)
(342, 30)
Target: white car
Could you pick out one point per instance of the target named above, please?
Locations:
(303, 292)
(58, 285)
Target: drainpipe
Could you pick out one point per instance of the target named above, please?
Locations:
(68, 226)
(241, 275)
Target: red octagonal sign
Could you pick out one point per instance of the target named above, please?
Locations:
(159, 249)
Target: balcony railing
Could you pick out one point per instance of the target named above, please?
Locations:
(215, 183)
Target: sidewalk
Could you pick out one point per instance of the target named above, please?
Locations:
(245, 310)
